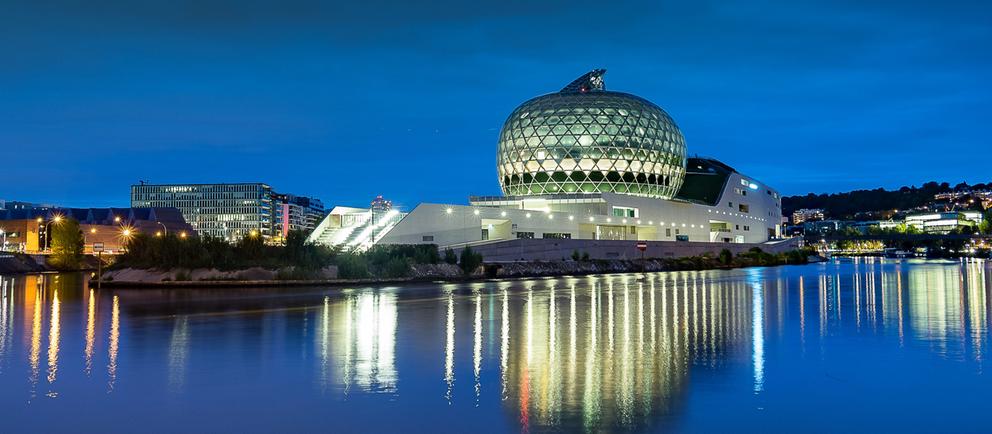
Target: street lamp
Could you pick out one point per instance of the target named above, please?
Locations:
(125, 235)
(165, 230)
(48, 235)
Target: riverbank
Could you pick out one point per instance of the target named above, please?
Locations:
(259, 277)
(19, 263)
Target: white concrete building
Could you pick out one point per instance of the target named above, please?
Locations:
(585, 164)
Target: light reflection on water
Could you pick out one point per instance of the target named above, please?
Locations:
(619, 353)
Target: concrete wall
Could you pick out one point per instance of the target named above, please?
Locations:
(548, 250)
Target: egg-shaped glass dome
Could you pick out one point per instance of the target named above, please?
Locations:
(586, 139)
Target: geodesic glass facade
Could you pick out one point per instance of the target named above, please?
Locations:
(586, 140)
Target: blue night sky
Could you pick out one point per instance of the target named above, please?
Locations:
(344, 101)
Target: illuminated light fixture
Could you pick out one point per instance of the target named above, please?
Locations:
(651, 222)
(182, 235)
(592, 219)
(638, 222)
(39, 220)
(527, 215)
(117, 219)
(158, 233)
(624, 220)
(550, 216)
(476, 212)
(683, 224)
(752, 186)
(609, 220)
(449, 210)
(502, 214)
(571, 217)
(92, 230)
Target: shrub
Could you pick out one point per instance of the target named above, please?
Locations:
(575, 255)
(450, 257)
(183, 275)
(726, 258)
(585, 256)
(396, 268)
(295, 273)
(352, 267)
(469, 260)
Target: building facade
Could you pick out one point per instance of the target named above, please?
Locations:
(228, 211)
(297, 213)
(800, 216)
(28, 230)
(233, 211)
(585, 163)
(945, 222)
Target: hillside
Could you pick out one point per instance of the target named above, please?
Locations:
(854, 204)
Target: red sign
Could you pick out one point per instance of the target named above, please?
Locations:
(642, 246)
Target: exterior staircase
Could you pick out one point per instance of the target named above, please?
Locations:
(354, 230)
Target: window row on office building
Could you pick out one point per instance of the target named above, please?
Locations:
(233, 211)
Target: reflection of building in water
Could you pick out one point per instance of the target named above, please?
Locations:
(38, 301)
(178, 353)
(357, 342)
(615, 354)
(946, 304)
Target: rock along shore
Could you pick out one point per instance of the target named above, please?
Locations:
(260, 277)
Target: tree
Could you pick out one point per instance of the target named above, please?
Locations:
(469, 260)
(67, 244)
(450, 257)
(726, 257)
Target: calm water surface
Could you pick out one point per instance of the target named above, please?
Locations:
(844, 346)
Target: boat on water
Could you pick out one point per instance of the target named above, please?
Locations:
(898, 253)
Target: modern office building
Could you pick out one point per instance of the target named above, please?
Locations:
(945, 222)
(228, 211)
(233, 211)
(585, 163)
(800, 216)
(297, 213)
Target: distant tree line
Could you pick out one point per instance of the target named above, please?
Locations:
(848, 205)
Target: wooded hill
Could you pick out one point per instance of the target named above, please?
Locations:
(849, 204)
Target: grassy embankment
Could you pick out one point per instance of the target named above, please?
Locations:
(296, 260)
(299, 260)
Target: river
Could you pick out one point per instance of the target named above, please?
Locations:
(861, 345)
